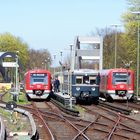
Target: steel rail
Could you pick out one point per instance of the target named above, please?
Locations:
(115, 108)
(114, 133)
(81, 132)
(76, 128)
(106, 109)
(114, 128)
(60, 115)
(45, 124)
(33, 109)
(108, 117)
(128, 128)
(107, 125)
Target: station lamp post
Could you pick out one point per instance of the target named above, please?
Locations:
(127, 66)
(54, 56)
(17, 79)
(138, 50)
(116, 26)
(61, 69)
(45, 63)
(48, 63)
(42, 65)
(70, 54)
(70, 76)
(70, 73)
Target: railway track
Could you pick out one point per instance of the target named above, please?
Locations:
(116, 107)
(62, 126)
(41, 116)
(59, 126)
(116, 125)
(98, 123)
(130, 105)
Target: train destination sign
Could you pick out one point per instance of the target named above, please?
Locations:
(121, 74)
(38, 74)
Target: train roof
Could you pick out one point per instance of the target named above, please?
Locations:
(114, 70)
(38, 71)
(85, 71)
(80, 72)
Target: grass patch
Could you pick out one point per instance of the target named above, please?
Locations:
(14, 121)
(80, 109)
(21, 98)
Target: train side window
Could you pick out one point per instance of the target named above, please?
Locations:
(92, 80)
(79, 80)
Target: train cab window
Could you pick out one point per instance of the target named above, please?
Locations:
(121, 78)
(92, 80)
(86, 79)
(79, 79)
(39, 78)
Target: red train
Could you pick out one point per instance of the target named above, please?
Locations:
(117, 84)
(38, 84)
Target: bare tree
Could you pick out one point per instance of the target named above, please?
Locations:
(39, 59)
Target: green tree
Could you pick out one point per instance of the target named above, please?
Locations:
(131, 27)
(131, 24)
(10, 43)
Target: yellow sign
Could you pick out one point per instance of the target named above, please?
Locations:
(6, 86)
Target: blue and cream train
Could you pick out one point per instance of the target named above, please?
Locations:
(81, 84)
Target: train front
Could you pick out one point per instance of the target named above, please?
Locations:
(38, 85)
(122, 83)
(85, 87)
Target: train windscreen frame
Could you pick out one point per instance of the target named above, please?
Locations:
(38, 78)
(121, 77)
(86, 79)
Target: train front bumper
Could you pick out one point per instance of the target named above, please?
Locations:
(44, 95)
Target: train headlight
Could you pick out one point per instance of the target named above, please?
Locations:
(77, 88)
(93, 89)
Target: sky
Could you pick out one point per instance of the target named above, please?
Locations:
(54, 24)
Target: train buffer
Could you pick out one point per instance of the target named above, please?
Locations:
(65, 99)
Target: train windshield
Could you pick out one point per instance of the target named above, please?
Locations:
(121, 77)
(39, 78)
(86, 79)
(79, 79)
